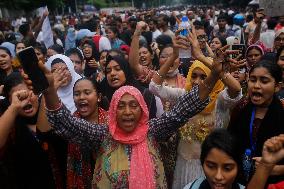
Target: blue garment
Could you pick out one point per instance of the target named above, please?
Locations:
(115, 44)
(70, 39)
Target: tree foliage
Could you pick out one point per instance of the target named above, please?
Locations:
(29, 5)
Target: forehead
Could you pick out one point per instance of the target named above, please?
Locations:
(112, 63)
(198, 71)
(254, 51)
(3, 52)
(200, 32)
(167, 50)
(219, 156)
(83, 84)
(126, 98)
(143, 49)
(20, 45)
(74, 57)
(261, 71)
(57, 65)
(18, 87)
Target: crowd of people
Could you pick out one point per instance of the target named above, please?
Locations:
(137, 101)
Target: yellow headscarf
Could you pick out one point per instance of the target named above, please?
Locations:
(219, 86)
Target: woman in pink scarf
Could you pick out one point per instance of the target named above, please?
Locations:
(128, 155)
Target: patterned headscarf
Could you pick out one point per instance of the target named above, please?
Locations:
(219, 86)
(141, 166)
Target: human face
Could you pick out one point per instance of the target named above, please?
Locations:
(279, 41)
(103, 60)
(51, 52)
(31, 108)
(222, 23)
(165, 54)
(110, 34)
(197, 76)
(261, 87)
(85, 99)
(202, 38)
(220, 169)
(239, 75)
(254, 56)
(128, 113)
(87, 50)
(152, 26)
(39, 55)
(215, 44)
(78, 64)
(145, 57)
(115, 75)
(161, 22)
(19, 47)
(67, 73)
(5, 61)
(280, 62)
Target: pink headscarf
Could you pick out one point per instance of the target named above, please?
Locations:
(141, 166)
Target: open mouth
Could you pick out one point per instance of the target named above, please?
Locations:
(143, 60)
(28, 108)
(256, 96)
(83, 106)
(218, 186)
(114, 80)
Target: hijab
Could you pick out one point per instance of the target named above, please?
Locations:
(70, 39)
(107, 90)
(219, 86)
(141, 165)
(88, 72)
(66, 93)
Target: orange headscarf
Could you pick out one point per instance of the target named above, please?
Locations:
(219, 86)
(141, 165)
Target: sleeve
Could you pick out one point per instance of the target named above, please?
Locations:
(186, 107)
(75, 129)
(166, 92)
(224, 105)
(104, 44)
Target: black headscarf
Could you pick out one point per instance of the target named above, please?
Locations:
(88, 72)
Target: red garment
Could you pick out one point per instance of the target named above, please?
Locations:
(80, 161)
(140, 162)
(279, 185)
(96, 40)
(278, 27)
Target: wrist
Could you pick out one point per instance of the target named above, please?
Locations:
(137, 33)
(14, 108)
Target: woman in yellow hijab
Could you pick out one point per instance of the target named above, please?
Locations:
(188, 166)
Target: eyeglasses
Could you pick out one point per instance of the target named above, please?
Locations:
(202, 37)
(279, 39)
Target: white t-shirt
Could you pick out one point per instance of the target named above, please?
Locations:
(104, 44)
(156, 34)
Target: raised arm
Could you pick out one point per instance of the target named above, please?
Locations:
(134, 50)
(19, 100)
(258, 20)
(273, 151)
(64, 124)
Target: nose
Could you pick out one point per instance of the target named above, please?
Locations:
(219, 175)
(257, 84)
(197, 81)
(127, 110)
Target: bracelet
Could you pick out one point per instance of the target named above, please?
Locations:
(206, 86)
(225, 76)
(161, 76)
(58, 106)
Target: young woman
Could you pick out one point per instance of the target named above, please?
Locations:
(216, 114)
(112, 35)
(53, 50)
(261, 115)
(142, 59)
(29, 158)
(280, 62)
(61, 65)
(253, 55)
(102, 63)
(6, 67)
(221, 162)
(81, 159)
(41, 52)
(119, 74)
(19, 46)
(128, 155)
(91, 57)
(217, 42)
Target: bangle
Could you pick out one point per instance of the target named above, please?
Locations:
(225, 76)
(58, 106)
(161, 76)
(206, 86)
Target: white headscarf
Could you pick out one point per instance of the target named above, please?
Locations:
(66, 93)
